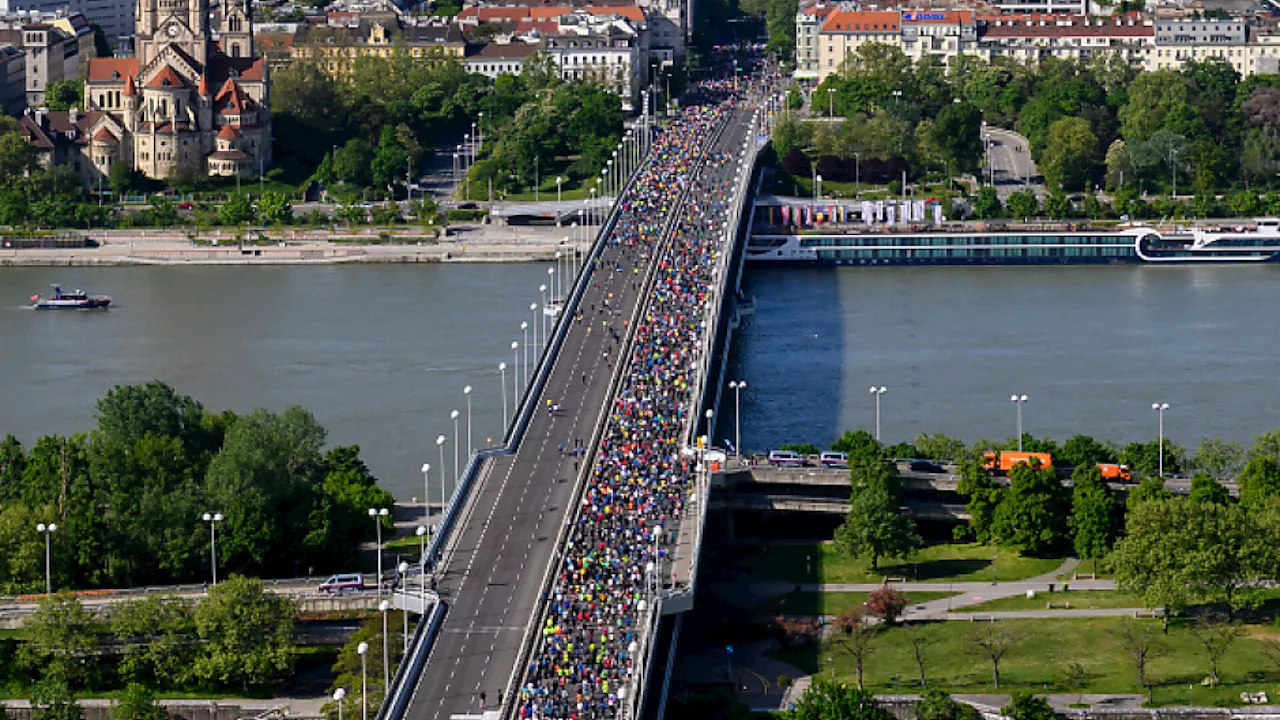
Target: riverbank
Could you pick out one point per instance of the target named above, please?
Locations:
(468, 243)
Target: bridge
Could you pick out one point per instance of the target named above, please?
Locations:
(510, 526)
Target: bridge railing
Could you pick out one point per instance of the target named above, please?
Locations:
(397, 701)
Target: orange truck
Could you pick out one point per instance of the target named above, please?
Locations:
(1111, 471)
(1009, 458)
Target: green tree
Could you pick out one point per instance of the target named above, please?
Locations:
(122, 178)
(1205, 489)
(62, 635)
(957, 134)
(51, 699)
(1069, 158)
(935, 704)
(138, 702)
(1142, 645)
(993, 641)
(1024, 204)
(21, 551)
(247, 633)
(861, 447)
(347, 668)
(238, 210)
(1221, 460)
(941, 448)
(828, 700)
(1092, 510)
(1084, 450)
(986, 206)
(1216, 637)
(389, 158)
(1023, 706)
(1266, 445)
(274, 208)
(352, 162)
(1148, 489)
(1057, 205)
(1259, 482)
(1144, 458)
(156, 640)
(162, 211)
(875, 526)
(62, 95)
(984, 498)
(1031, 517)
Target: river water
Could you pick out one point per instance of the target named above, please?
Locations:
(380, 353)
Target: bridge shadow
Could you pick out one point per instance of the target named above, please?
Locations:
(791, 354)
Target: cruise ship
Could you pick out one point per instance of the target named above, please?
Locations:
(1255, 241)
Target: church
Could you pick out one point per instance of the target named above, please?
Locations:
(185, 106)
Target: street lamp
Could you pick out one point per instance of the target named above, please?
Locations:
(426, 491)
(542, 289)
(440, 444)
(831, 102)
(377, 514)
(384, 606)
(737, 386)
(421, 532)
(338, 695)
(878, 391)
(363, 651)
(471, 448)
(213, 520)
(48, 530)
(515, 375)
(524, 326)
(1160, 408)
(404, 637)
(559, 180)
(533, 310)
(457, 471)
(709, 414)
(502, 369)
(1019, 400)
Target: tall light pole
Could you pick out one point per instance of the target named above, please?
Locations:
(421, 532)
(377, 514)
(558, 274)
(1019, 400)
(47, 531)
(1160, 408)
(457, 471)
(363, 651)
(831, 102)
(404, 637)
(878, 391)
(524, 326)
(471, 448)
(502, 369)
(213, 519)
(440, 444)
(543, 290)
(559, 181)
(515, 374)
(426, 491)
(737, 386)
(533, 310)
(338, 695)
(384, 606)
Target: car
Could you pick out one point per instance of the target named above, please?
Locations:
(468, 206)
(185, 205)
(342, 582)
(834, 460)
(926, 466)
(787, 458)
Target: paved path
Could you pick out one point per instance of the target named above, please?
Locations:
(1010, 156)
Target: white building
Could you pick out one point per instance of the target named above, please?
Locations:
(115, 17)
(57, 48)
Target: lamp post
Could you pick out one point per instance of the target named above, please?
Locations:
(524, 326)
(338, 695)
(421, 532)
(1160, 408)
(47, 531)
(404, 637)
(737, 387)
(426, 491)
(213, 519)
(457, 471)
(831, 102)
(878, 391)
(559, 275)
(384, 606)
(471, 448)
(363, 651)
(709, 415)
(440, 444)
(377, 514)
(1019, 400)
(559, 181)
(542, 290)
(857, 174)
(533, 310)
(515, 374)
(502, 369)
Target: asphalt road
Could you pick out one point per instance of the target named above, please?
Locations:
(1010, 157)
(495, 565)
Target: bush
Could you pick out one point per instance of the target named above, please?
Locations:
(887, 604)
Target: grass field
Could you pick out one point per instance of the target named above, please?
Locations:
(1079, 599)
(830, 603)
(1044, 648)
(959, 562)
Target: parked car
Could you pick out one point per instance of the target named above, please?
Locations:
(787, 458)
(342, 583)
(185, 205)
(926, 466)
(834, 460)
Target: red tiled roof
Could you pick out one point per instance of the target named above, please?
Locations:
(861, 21)
(229, 155)
(167, 78)
(630, 12)
(203, 87)
(129, 88)
(112, 69)
(246, 68)
(505, 51)
(228, 133)
(103, 135)
(232, 99)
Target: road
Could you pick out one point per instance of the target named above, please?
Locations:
(497, 562)
(1009, 155)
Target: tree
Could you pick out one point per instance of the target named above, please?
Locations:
(1259, 482)
(1031, 517)
(1144, 458)
(122, 178)
(984, 498)
(875, 525)
(937, 705)
(1057, 206)
(941, 448)
(887, 604)
(986, 206)
(62, 635)
(247, 633)
(1149, 489)
(994, 642)
(352, 161)
(919, 653)
(860, 445)
(1221, 460)
(1074, 677)
(1092, 509)
(238, 210)
(1206, 489)
(138, 702)
(389, 158)
(1023, 706)
(957, 134)
(62, 95)
(856, 637)
(163, 212)
(51, 699)
(155, 635)
(1072, 153)
(274, 208)
(1216, 637)
(1084, 450)
(828, 700)
(1024, 204)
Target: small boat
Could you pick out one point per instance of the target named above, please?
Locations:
(75, 300)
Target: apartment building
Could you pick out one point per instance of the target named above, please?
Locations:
(844, 31)
(336, 46)
(13, 79)
(938, 33)
(809, 21)
(115, 17)
(54, 50)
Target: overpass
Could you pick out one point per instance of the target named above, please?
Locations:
(510, 526)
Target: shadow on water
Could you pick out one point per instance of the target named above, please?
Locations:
(790, 354)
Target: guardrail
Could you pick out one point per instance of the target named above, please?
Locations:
(395, 703)
(397, 698)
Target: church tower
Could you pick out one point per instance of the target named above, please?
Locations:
(236, 33)
(184, 23)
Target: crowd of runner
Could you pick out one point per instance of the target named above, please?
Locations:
(635, 491)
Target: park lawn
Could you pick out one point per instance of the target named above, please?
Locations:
(408, 542)
(831, 603)
(1045, 648)
(1079, 599)
(952, 562)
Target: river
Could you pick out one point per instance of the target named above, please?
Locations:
(380, 353)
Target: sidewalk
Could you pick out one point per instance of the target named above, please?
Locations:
(294, 707)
